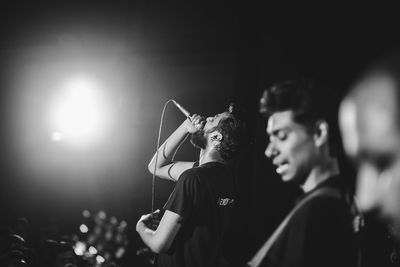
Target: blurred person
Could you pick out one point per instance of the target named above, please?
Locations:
(370, 126)
(303, 146)
(198, 211)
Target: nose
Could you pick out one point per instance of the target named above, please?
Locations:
(271, 150)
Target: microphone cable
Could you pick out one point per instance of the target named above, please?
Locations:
(157, 153)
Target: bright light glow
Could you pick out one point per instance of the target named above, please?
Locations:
(100, 259)
(71, 113)
(79, 113)
(123, 224)
(92, 250)
(86, 213)
(120, 252)
(102, 215)
(83, 228)
(113, 220)
(56, 136)
(80, 248)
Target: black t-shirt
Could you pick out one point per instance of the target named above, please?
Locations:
(204, 196)
(320, 233)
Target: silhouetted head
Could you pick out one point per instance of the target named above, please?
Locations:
(370, 126)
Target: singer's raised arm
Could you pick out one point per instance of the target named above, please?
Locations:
(167, 168)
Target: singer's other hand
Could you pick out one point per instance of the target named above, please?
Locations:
(196, 123)
(145, 219)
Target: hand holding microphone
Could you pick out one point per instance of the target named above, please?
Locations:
(194, 122)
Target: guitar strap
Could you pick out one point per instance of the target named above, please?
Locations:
(263, 251)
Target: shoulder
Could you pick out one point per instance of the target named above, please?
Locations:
(196, 171)
(213, 168)
(328, 201)
(189, 177)
(190, 174)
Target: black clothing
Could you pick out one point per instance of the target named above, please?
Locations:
(319, 233)
(204, 197)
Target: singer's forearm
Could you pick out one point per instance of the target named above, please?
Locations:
(168, 148)
(147, 235)
(161, 239)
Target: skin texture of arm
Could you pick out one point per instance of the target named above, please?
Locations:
(161, 239)
(166, 168)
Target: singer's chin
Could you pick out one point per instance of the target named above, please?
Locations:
(198, 140)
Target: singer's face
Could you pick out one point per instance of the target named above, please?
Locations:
(212, 122)
(200, 138)
(369, 123)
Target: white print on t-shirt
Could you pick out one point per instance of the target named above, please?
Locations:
(225, 201)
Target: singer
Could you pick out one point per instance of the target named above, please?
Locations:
(198, 211)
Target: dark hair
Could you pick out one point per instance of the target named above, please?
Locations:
(309, 100)
(234, 130)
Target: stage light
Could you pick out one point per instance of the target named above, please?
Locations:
(86, 214)
(83, 228)
(120, 252)
(80, 248)
(113, 220)
(78, 111)
(92, 250)
(56, 136)
(102, 215)
(100, 259)
(73, 116)
(123, 224)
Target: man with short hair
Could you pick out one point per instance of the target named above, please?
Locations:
(319, 230)
(197, 213)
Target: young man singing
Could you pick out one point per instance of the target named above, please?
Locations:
(197, 212)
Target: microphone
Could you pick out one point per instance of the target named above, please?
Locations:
(184, 111)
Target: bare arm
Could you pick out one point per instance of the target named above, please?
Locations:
(166, 168)
(161, 239)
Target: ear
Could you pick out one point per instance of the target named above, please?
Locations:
(216, 137)
(321, 133)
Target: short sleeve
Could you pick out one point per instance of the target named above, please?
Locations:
(185, 195)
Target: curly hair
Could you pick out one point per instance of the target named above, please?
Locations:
(234, 130)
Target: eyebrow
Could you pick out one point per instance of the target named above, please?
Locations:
(275, 131)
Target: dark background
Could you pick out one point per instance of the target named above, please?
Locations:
(202, 55)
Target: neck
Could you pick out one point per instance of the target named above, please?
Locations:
(210, 155)
(321, 173)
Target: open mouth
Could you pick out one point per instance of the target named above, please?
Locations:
(281, 168)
